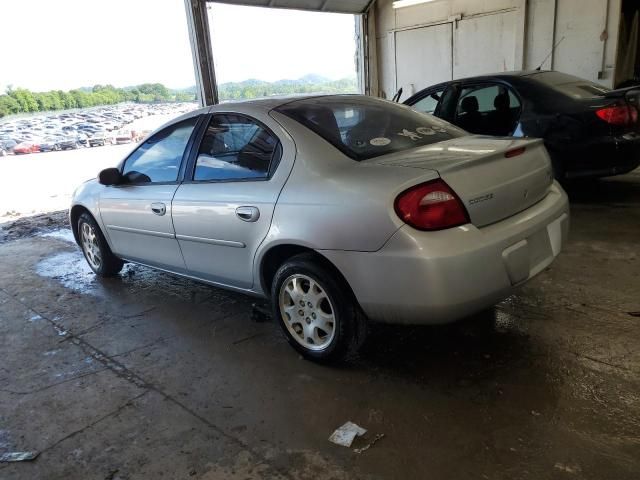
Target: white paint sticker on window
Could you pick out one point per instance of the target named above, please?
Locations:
(425, 131)
(412, 135)
(380, 141)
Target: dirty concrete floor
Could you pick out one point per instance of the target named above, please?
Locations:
(151, 376)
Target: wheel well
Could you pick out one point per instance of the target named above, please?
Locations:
(277, 255)
(76, 211)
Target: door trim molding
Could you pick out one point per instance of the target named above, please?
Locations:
(140, 231)
(211, 241)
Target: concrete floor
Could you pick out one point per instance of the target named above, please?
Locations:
(151, 376)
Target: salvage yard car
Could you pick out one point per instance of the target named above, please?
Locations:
(588, 129)
(340, 209)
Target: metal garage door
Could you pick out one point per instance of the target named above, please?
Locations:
(471, 46)
(582, 50)
(423, 57)
(485, 44)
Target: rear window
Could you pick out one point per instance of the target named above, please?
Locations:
(571, 86)
(365, 127)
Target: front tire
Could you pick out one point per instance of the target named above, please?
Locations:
(316, 310)
(96, 249)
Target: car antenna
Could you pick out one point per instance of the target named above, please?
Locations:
(550, 53)
(396, 97)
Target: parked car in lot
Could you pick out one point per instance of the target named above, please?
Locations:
(100, 138)
(123, 136)
(26, 147)
(70, 142)
(339, 209)
(589, 130)
(7, 146)
(49, 144)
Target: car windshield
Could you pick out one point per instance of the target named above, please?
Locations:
(571, 86)
(365, 127)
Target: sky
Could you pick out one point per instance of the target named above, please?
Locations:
(66, 44)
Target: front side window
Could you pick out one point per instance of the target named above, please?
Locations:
(488, 110)
(365, 127)
(235, 147)
(429, 103)
(158, 159)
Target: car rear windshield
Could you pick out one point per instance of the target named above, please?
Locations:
(365, 127)
(571, 86)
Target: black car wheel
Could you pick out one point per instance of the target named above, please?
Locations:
(316, 310)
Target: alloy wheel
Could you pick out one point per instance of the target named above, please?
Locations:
(307, 312)
(90, 246)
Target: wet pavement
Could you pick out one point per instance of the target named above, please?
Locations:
(151, 376)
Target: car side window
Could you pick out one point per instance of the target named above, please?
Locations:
(488, 110)
(429, 103)
(235, 147)
(158, 159)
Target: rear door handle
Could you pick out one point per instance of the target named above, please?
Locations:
(159, 208)
(248, 214)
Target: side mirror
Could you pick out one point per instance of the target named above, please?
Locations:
(110, 176)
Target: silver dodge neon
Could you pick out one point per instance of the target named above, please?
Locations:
(339, 209)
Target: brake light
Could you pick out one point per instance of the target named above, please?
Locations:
(621, 115)
(431, 206)
(515, 152)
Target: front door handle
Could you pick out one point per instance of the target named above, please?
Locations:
(159, 208)
(248, 214)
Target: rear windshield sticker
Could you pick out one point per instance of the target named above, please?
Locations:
(380, 141)
(425, 131)
(412, 135)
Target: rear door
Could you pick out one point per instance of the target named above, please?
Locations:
(137, 213)
(488, 109)
(223, 212)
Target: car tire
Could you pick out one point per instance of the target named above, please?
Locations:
(96, 249)
(316, 310)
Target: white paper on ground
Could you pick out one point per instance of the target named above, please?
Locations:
(346, 434)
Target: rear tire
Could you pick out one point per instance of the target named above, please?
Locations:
(317, 310)
(96, 249)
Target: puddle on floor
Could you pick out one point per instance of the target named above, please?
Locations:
(70, 269)
(64, 234)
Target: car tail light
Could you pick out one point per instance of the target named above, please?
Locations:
(515, 152)
(431, 206)
(621, 115)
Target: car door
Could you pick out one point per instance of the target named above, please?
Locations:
(427, 101)
(487, 109)
(224, 212)
(137, 212)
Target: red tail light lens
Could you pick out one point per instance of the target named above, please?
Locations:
(515, 152)
(431, 206)
(621, 115)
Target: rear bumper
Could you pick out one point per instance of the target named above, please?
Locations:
(602, 157)
(440, 277)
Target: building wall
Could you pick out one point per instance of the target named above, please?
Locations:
(589, 28)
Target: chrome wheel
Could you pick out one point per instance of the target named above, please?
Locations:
(307, 312)
(90, 245)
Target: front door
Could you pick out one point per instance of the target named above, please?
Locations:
(137, 213)
(225, 212)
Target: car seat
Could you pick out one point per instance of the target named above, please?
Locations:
(470, 119)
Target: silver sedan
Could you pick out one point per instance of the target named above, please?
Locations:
(339, 209)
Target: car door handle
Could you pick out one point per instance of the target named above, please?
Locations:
(248, 214)
(159, 208)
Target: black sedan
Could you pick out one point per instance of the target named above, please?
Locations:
(589, 130)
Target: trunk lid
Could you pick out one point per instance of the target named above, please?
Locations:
(493, 177)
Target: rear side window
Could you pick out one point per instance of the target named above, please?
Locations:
(236, 147)
(365, 127)
(571, 86)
